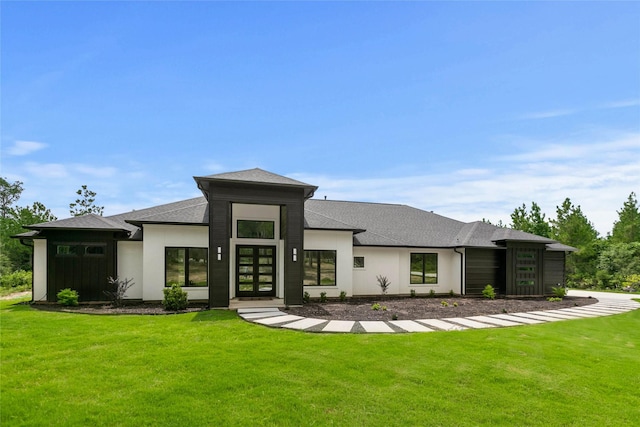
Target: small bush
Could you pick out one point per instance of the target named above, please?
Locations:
(68, 297)
(444, 304)
(384, 308)
(175, 299)
(306, 297)
(455, 304)
(413, 293)
(559, 292)
(554, 299)
(488, 292)
(451, 293)
(323, 297)
(376, 307)
(432, 293)
(394, 317)
(384, 284)
(343, 296)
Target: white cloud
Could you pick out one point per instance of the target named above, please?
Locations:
(547, 114)
(46, 170)
(22, 148)
(622, 104)
(96, 171)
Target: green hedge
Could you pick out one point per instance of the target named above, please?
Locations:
(17, 279)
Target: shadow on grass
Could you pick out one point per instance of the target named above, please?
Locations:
(214, 316)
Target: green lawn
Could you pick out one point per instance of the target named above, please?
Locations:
(211, 368)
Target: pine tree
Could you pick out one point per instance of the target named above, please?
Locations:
(627, 228)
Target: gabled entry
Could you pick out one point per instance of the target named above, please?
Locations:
(255, 271)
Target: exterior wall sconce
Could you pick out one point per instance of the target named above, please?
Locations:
(219, 253)
(295, 254)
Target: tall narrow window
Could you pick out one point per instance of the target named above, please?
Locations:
(319, 268)
(186, 267)
(424, 269)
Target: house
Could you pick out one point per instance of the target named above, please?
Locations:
(256, 234)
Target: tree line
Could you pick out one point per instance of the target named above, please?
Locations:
(601, 262)
(14, 255)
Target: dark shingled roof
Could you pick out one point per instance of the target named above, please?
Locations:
(258, 176)
(84, 222)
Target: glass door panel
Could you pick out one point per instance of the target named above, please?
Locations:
(255, 271)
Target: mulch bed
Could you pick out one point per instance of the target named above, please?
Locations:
(429, 308)
(360, 308)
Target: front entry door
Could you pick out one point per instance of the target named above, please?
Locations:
(255, 271)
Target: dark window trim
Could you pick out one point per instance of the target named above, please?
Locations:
(318, 264)
(186, 266)
(424, 272)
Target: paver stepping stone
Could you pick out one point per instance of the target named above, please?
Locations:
(305, 323)
(539, 317)
(375, 326)
(577, 312)
(494, 321)
(278, 319)
(257, 310)
(339, 326)
(440, 324)
(470, 323)
(262, 314)
(565, 316)
(515, 318)
(410, 326)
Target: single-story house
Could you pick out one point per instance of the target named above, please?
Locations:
(256, 234)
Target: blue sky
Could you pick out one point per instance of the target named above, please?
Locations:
(468, 109)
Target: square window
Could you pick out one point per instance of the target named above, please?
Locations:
(358, 262)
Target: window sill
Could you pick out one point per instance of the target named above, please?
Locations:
(424, 285)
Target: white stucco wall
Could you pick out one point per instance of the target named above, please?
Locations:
(394, 263)
(39, 270)
(130, 266)
(156, 239)
(342, 243)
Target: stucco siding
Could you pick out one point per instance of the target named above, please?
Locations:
(156, 239)
(342, 243)
(39, 270)
(130, 266)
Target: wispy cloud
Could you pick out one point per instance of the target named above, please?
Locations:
(22, 148)
(547, 114)
(621, 104)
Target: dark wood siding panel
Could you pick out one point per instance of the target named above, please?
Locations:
(518, 260)
(484, 267)
(84, 272)
(554, 263)
(219, 235)
(294, 270)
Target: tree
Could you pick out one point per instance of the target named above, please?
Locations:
(85, 204)
(627, 228)
(17, 254)
(9, 194)
(571, 226)
(530, 222)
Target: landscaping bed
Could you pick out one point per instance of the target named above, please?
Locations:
(429, 308)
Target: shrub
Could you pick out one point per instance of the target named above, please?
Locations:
(175, 298)
(17, 279)
(394, 317)
(376, 307)
(432, 293)
(68, 297)
(488, 292)
(554, 299)
(343, 296)
(306, 297)
(413, 293)
(451, 293)
(559, 292)
(455, 304)
(384, 308)
(444, 304)
(118, 290)
(384, 284)
(323, 297)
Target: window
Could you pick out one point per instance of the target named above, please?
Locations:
(358, 262)
(424, 269)
(186, 266)
(255, 229)
(67, 250)
(96, 250)
(319, 268)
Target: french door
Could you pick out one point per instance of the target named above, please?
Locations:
(255, 271)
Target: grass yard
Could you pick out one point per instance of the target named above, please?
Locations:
(211, 368)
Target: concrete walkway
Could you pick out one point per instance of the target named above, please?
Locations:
(607, 305)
